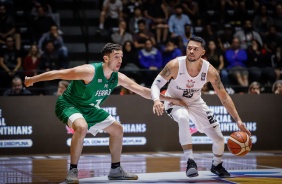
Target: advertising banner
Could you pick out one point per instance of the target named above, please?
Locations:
(28, 125)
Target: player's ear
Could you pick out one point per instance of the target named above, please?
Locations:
(204, 51)
(106, 58)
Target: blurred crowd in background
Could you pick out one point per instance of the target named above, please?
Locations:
(243, 40)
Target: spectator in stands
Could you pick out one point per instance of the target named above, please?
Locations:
(247, 35)
(236, 59)
(251, 8)
(129, 7)
(215, 56)
(40, 24)
(43, 4)
(110, 15)
(150, 58)
(156, 12)
(262, 21)
(130, 62)
(191, 8)
(121, 35)
(260, 65)
(62, 86)
(8, 28)
(185, 39)
(225, 37)
(278, 62)
(9, 6)
(170, 5)
(170, 51)
(198, 27)
(31, 61)
(57, 39)
(273, 44)
(277, 17)
(50, 59)
(233, 12)
(130, 55)
(10, 62)
(142, 35)
(17, 88)
(277, 87)
(177, 22)
(273, 39)
(49, 7)
(254, 88)
(133, 21)
(208, 33)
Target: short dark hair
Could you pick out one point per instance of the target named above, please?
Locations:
(198, 39)
(141, 21)
(178, 6)
(110, 47)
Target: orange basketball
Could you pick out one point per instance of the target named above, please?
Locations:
(239, 143)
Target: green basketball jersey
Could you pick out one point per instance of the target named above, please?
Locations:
(94, 93)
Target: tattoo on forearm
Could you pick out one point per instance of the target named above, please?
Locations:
(218, 82)
(225, 101)
(165, 72)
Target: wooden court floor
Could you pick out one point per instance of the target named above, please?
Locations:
(53, 168)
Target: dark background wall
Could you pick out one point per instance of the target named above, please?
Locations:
(28, 125)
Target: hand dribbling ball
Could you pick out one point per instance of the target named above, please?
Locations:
(239, 143)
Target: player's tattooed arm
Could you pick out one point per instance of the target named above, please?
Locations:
(165, 72)
(217, 80)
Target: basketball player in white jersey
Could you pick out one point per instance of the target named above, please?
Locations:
(186, 76)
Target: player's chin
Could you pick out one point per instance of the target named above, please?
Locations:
(191, 60)
(116, 69)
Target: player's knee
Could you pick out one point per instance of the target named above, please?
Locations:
(181, 117)
(81, 129)
(117, 131)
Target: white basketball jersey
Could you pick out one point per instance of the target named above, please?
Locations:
(186, 87)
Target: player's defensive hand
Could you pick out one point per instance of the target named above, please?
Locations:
(158, 107)
(243, 128)
(27, 81)
(179, 102)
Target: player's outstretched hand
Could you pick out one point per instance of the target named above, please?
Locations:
(243, 128)
(158, 107)
(179, 102)
(27, 81)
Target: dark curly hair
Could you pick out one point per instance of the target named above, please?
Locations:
(198, 39)
(110, 47)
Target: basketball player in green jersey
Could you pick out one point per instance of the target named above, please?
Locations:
(78, 107)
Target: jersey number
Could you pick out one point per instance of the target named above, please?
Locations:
(97, 105)
(187, 95)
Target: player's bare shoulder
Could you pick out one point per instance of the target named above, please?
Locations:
(88, 68)
(170, 70)
(122, 79)
(86, 72)
(121, 76)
